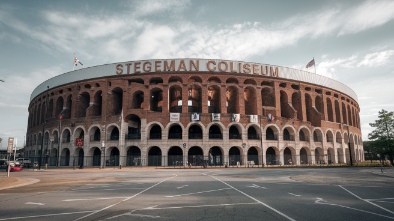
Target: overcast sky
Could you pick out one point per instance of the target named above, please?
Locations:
(351, 41)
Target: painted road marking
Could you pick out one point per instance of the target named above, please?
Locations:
(198, 206)
(256, 186)
(46, 215)
(323, 202)
(182, 186)
(387, 210)
(31, 203)
(134, 214)
(260, 202)
(294, 194)
(106, 198)
(208, 191)
(128, 198)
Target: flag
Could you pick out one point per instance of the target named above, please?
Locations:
(76, 61)
(311, 63)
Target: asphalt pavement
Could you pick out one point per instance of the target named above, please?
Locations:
(206, 194)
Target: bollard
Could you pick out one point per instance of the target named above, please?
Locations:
(120, 166)
(46, 166)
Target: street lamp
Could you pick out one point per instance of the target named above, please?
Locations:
(103, 150)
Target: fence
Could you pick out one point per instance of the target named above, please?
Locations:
(185, 161)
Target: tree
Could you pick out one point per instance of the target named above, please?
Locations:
(383, 135)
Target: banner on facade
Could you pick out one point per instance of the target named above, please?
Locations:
(235, 117)
(253, 118)
(175, 117)
(79, 142)
(270, 117)
(215, 117)
(195, 117)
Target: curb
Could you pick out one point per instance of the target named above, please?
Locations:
(22, 182)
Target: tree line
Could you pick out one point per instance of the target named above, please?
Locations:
(381, 140)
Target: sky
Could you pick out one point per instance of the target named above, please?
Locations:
(351, 42)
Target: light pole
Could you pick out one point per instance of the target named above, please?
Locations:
(43, 128)
(103, 150)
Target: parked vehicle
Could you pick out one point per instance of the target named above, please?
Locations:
(25, 162)
(14, 165)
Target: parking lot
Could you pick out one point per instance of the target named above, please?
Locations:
(201, 194)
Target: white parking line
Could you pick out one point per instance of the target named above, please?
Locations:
(387, 210)
(323, 202)
(198, 206)
(107, 198)
(46, 215)
(128, 198)
(31, 203)
(208, 191)
(258, 201)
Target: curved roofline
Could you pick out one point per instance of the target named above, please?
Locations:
(107, 70)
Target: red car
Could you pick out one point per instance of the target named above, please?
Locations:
(14, 165)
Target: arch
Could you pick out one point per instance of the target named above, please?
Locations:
(175, 79)
(69, 106)
(156, 100)
(175, 99)
(95, 133)
(65, 157)
(289, 156)
(253, 155)
(115, 101)
(156, 80)
(83, 104)
(232, 99)
(329, 136)
(319, 156)
(284, 105)
(330, 113)
(114, 134)
(344, 114)
(113, 157)
(308, 107)
(175, 132)
(50, 110)
(195, 132)
(337, 112)
(215, 132)
(214, 104)
(66, 136)
(80, 155)
(137, 100)
(252, 133)
(289, 133)
(271, 156)
(250, 99)
(214, 80)
(338, 137)
(319, 104)
(96, 157)
(155, 132)
(195, 156)
(304, 134)
(194, 102)
(234, 133)
(215, 156)
(97, 107)
(349, 118)
(133, 156)
(175, 156)
(250, 82)
(193, 79)
(235, 156)
(59, 106)
(232, 81)
(296, 102)
(317, 135)
(133, 127)
(267, 97)
(154, 156)
(304, 156)
(330, 155)
(271, 133)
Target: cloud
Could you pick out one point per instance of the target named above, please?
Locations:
(368, 15)
(151, 7)
(376, 59)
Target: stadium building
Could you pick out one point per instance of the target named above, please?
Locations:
(176, 112)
